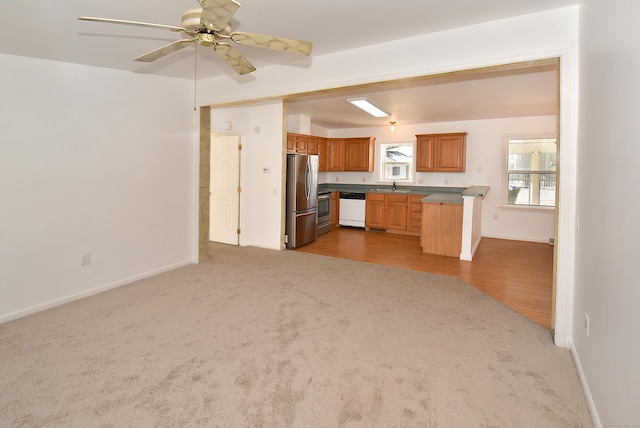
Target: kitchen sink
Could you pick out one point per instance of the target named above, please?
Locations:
(391, 190)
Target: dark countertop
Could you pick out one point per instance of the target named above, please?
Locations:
(435, 194)
(365, 188)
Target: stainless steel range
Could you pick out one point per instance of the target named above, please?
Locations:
(324, 212)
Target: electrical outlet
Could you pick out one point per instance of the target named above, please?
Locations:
(586, 324)
(86, 259)
(364, 180)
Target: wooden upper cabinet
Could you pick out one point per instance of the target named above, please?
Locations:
(424, 152)
(335, 154)
(359, 154)
(451, 153)
(323, 156)
(301, 144)
(441, 152)
(312, 145)
(291, 143)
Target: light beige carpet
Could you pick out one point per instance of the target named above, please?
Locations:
(261, 338)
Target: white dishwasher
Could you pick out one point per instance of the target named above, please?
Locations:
(352, 209)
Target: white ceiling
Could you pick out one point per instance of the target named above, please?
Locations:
(50, 30)
(529, 91)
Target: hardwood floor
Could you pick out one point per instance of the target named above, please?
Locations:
(518, 274)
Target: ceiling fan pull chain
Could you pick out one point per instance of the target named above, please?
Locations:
(195, 78)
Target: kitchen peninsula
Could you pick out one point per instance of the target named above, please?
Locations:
(447, 219)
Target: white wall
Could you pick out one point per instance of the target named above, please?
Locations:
(541, 35)
(261, 129)
(91, 161)
(485, 166)
(608, 208)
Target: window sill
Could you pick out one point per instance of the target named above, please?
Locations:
(528, 207)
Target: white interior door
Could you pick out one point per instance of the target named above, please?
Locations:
(224, 200)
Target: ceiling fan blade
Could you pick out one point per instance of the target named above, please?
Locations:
(136, 23)
(272, 42)
(165, 50)
(216, 14)
(234, 58)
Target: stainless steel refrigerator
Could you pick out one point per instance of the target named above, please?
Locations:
(302, 200)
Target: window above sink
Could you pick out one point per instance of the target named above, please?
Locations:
(397, 162)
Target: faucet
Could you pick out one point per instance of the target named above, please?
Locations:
(393, 187)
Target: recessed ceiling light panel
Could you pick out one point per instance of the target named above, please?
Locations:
(365, 105)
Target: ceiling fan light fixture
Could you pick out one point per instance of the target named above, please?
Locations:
(206, 39)
(393, 126)
(365, 105)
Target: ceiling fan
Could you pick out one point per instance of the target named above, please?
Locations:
(211, 27)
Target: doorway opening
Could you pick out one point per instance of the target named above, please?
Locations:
(471, 74)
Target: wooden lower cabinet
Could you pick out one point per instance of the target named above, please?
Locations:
(396, 218)
(335, 208)
(385, 211)
(414, 213)
(441, 231)
(375, 209)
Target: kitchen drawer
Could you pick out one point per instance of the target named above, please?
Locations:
(397, 198)
(415, 207)
(416, 199)
(414, 224)
(375, 196)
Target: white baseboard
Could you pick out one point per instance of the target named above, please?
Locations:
(518, 238)
(469, 257)
(86, 293)
(585, 387)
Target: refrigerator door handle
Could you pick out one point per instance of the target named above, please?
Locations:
(308, 182)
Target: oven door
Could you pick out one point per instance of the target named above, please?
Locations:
(324, 212)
